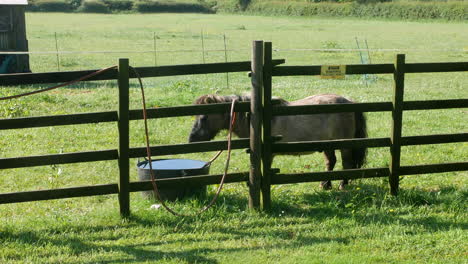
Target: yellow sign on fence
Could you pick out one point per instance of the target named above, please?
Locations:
(333, 71)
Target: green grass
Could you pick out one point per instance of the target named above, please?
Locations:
(426, 223)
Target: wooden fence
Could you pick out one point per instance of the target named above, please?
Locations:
(263, 68)
(395, 141)
(123, 153)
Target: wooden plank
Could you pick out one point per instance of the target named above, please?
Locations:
(267, 154)
(189, 110)
(350, 69)
(29, 196)
(173, 70)
(434, 168)
(58, 77)
(374, 68)
(310, 146)
(189, 181)
(111, 116)
(195, 147)
(53, 77)
(397, 117)
(105, 189)
(329, 175)
(436, 67)
(102, 155)
(191, 69)
(58, 120)
(434, 139)
(124, 138)
(435, 104)
(66, 158)
(256, 126)
(331, 108)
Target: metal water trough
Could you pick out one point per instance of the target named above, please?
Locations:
(173, 168)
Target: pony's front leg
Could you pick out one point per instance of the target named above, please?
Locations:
(330, 161)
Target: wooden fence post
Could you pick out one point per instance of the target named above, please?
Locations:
(267, 140)
(256, 125)
(397, 116)
(124, 138)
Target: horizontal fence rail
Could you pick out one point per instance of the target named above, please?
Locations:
(331, 108)
(165, 112)
(434, 168)
(65, 158)
(305, 146)
(82, 191)
(103, 155)
(329, 175)
(373, 68)
(189, 110)
(195, 147)
(367, 107)
(351, 174)
(190, 181)
(435, 104)
(58, 120)
(434, 139)
(112, 116)
(105, 189)
(144, 72)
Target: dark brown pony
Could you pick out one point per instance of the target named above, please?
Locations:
(294, 128)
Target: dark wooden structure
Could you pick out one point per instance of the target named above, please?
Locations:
(13, 37)
(262, 108)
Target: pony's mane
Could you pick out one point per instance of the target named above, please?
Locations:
(216, 99)
(279, 101)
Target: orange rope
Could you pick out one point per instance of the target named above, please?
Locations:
(148, 152)
(57, 86)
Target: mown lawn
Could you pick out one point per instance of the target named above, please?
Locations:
(426, 223)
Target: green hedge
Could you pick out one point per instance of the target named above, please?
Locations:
(170, 7)
(93, 6)
(51, 6)
(119, 5)
(397, 10)
(455, 10)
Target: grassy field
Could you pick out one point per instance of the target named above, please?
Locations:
(426, 223)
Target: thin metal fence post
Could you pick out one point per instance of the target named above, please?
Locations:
(57, 50)
(226, 60)
(155, 50)
(124, 138)
(397, 116)
(203, 45)
(255, 174)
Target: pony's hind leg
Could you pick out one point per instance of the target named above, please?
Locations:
(330, 161)
(347, 162)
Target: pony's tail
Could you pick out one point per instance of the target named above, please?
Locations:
(359, 154)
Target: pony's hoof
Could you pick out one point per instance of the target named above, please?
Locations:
(326, 185)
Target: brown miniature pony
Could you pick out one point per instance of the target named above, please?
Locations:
(294, 128)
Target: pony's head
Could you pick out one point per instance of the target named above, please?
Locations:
(206, 127)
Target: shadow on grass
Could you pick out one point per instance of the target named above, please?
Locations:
(70, 238)
(300, 210)
(135, 252)
(139, 252)
(370, 204)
